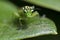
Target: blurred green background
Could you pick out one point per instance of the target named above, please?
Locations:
(52, 14)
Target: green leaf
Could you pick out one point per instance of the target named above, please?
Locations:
(6, 16)
(52, 4)
(36, 26)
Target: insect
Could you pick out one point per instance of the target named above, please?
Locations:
(29, 11)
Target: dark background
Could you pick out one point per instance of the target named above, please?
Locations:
(52, 14)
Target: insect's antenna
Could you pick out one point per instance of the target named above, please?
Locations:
(36, 9)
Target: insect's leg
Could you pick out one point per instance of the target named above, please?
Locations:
(16, 14)
(23, 23)
(19, 24)
(35, 14)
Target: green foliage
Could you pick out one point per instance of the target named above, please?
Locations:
(52, 4)
(32, 27)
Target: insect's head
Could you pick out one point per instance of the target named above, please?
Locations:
(28, 9)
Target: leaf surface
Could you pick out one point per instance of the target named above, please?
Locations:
(51, 4)
(36, 26)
